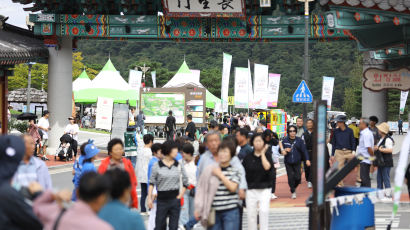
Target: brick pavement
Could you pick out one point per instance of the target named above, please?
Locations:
(303, 192)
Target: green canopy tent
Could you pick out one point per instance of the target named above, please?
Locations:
(108, 83)
(211, 100)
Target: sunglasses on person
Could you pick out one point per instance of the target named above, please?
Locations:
(292, 131)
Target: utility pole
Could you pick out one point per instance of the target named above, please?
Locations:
(306, 55)
(29, 85)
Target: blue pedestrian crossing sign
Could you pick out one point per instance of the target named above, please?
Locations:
(302, 94)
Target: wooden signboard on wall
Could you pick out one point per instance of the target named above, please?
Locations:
(377, 79)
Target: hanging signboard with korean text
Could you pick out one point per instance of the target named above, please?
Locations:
(134, 79)
(377, 79)
(260, 94)
(226, 70)
(231, 100)
(273, 89)
(241, 87)
(104, 113)
(327, 90)
(204, 8)
(403, 100)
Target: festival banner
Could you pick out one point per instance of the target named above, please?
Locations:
(104, 113)
(154, 78)
(403, 100)
(226, 70)
(134, 79)
(400, 175)
(250, 88)
(260, 95)
(327, 90)
(241, 87)
(273, 89)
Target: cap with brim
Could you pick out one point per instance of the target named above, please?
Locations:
(383, 127)
(12, 150)
(71, 118)
(354, 120)
(90, 151)
(341, 118)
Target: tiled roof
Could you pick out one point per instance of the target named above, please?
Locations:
(19, 45)
(20, 95)
(402, 6)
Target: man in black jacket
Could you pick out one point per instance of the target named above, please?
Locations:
(170, 126)
(308, 138)
(15, 213)
(190, 128)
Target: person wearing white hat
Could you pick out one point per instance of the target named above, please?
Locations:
(384, 148)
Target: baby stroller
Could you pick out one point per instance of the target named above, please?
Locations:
(64, 151)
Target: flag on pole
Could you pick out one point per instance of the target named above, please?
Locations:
(134, 79)
(399, 175)
(327, 90)
(250, 88)
(226, 70)
(154, 78)
(273, 89)
(241, 87)
(260, 93)
(403, 100)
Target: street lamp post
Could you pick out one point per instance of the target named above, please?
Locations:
(30, 64)
(306, 55)
(144, 70)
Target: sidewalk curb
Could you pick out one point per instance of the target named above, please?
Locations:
(69, 165)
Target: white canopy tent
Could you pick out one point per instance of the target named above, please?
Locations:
(186, 76)
(82, 82)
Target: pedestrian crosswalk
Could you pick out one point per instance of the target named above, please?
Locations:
(297, 218)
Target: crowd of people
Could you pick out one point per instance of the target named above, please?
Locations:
(231, 171)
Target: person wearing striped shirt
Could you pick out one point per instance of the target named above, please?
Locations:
(167, 176)
(226, 198)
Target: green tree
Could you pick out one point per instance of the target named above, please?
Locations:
(353, 93)
(39, 74)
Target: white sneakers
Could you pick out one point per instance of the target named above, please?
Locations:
(294, 195)
(309, 184)
(273, 196)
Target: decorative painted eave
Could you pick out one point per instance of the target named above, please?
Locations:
(401, 6)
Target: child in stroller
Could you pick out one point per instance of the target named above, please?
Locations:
(64, 151)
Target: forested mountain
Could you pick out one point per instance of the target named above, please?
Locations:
(336, 59)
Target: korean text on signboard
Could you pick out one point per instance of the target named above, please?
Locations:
(204, 8)
(377, 80)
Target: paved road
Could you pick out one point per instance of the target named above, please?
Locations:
(100, 140)
(280, 218)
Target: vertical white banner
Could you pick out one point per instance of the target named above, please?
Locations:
(403, 100)
(273, 89)
(250, 88)
(226, 70)
(260, 95)
(104, 113)
(241, 87)
(327, 90)
(134, 79)
(154, 78)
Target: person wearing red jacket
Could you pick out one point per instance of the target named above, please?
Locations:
(116, 160)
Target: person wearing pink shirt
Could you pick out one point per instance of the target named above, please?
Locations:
(82, 215)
